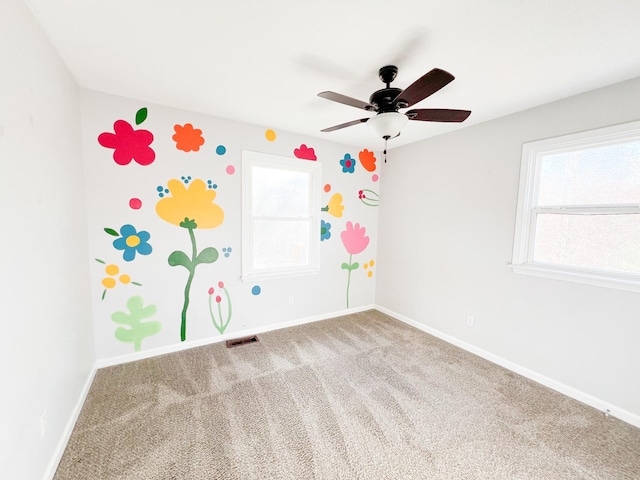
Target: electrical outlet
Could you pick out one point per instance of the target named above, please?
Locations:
(43, 422)
(470, 321)
(290, 300)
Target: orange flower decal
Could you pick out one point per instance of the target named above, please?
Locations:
(368, 160)
(188, 138)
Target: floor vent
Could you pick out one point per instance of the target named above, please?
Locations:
(242, 341)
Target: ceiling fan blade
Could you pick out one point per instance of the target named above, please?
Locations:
(343, 125)
(353, 102)
(438, 115)
(426, 85)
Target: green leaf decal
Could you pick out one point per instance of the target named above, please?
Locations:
(179, 258)
(345, 266)
(141, 116)
(208, 255)
(111, 231)
(135, 330)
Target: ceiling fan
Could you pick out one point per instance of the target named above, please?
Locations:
(386, 102)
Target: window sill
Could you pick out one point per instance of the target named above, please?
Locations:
(618, 281)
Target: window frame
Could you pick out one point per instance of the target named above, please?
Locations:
(527, 208)
(252, 159)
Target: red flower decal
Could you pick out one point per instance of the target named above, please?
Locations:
(128, 144)
(305, 153)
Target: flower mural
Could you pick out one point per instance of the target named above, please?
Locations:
(369, 197)
(131, 242)
(187, 138)
(325, 231)
(222, 324)
(334, 207)
(190, 208)
(128, 144)
(348, 164)
(355, 241)
(113, 276)
(134, 329)
(367, 160)
(305, 153)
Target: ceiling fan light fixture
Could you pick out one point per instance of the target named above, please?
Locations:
(387, 125)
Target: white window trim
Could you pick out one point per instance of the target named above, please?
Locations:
(524, 230)
(250, 159)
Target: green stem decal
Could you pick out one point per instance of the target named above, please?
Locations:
(222, 324)
(208, 255)
(349, 267)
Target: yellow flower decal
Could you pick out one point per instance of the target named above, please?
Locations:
(194, 203)
(110, 281)
(335, 206)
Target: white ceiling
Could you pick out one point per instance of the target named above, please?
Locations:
(264, 61)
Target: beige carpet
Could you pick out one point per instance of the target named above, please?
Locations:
(357, 397)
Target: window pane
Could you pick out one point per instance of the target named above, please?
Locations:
(607, 242)
(592, 176)
(281, 193)
(281, 243)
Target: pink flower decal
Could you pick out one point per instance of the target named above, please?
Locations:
(128, 144)
(354, 238)
(355, 241)
(305, 153)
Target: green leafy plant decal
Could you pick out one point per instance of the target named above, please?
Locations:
(136, 330)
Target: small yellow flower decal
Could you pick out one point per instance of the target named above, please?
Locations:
(335, 206)
(110, 281)
(193, 202)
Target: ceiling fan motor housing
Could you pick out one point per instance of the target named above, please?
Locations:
(383, 99)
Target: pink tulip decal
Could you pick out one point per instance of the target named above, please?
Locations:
(355, 241)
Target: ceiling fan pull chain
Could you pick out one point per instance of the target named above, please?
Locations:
(385, 149)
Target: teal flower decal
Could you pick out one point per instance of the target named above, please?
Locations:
(325, 231)
(348, 164)
(132, 242)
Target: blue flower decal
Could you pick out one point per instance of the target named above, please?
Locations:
(348, 164)
(132, 242)
(325, 231)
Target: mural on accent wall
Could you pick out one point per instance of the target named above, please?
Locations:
(129, 144)
(367, 160)
(113, 277)
(137, 245)
(187, 138)
(305, 153)
(131, 241)
(221, 322)
(134, 330)
(190, 207)
(368, 197)
(355, 241)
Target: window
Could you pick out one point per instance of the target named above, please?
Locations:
(578, 212)
(280, 216)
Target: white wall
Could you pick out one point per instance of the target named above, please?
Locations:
(446, 235)
(110, 186)
(47, 353)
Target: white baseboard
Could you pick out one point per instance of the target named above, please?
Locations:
(68, 429)
(108, 362)
(574, 393)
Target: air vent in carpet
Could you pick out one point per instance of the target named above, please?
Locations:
(242, 341)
